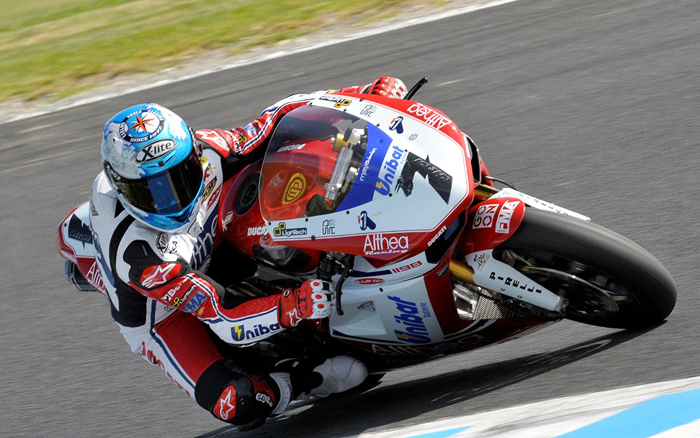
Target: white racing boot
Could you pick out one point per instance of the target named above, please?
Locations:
(339, 374)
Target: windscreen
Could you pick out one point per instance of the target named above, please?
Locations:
(316, 158)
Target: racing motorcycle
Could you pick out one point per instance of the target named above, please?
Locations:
(390, 201)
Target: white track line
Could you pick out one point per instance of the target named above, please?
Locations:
(564, 415)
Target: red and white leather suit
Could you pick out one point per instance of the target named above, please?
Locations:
(160, 295)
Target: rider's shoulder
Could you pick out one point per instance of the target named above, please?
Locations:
(102, 195)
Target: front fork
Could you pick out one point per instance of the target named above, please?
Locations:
(493, 219)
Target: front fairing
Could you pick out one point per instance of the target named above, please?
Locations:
(364, 175)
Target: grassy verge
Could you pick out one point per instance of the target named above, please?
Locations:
(57, 48)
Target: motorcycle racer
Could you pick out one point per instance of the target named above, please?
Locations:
(153, 214)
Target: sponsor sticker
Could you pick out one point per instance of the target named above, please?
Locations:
(369, 281)
(376, 244)
(209, 188)
(368, 110)
(291, 147)
(484, 216)
(480, 260)
(365, 222)
(389, 169)
(214, 197)
(281, 230)
(195, 302)
(250, 332)
(410, 318)
(295, 188)
(328, 227)
(154, 151)
(178, 301)
(169, 295)
(429, 116)
(512, 282)
(339, 101)
(396, 124)
(505, 216)
(365, 164)
(141, 126)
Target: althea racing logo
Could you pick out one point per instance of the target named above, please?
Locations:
(241, 333)
(379, 244)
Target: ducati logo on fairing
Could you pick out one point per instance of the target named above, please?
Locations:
(437, 236)
(413, 330)
(256, 231)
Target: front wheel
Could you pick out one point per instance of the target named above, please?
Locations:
(608, 280)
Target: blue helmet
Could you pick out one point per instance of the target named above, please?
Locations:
(154, 164)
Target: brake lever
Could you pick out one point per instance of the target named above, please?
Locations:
(339, 287)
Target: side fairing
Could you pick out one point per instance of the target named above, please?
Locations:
(75, 244)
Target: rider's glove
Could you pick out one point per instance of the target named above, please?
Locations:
(387, 86)
(313, 300)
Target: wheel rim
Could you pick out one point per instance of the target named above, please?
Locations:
(590, 292)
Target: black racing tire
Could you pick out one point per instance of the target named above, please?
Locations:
(609, 280)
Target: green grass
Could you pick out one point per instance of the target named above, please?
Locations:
(56, 48)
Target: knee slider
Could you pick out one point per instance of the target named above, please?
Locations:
(235, 397)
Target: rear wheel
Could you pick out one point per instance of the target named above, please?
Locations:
(608, 280)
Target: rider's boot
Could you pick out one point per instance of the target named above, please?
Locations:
(339, 374)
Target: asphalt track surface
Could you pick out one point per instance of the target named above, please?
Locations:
(590, 104)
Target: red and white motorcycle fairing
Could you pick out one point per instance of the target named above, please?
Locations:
(393, 180)
(75, 244)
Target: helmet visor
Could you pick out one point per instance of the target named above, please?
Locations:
(167, 192)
